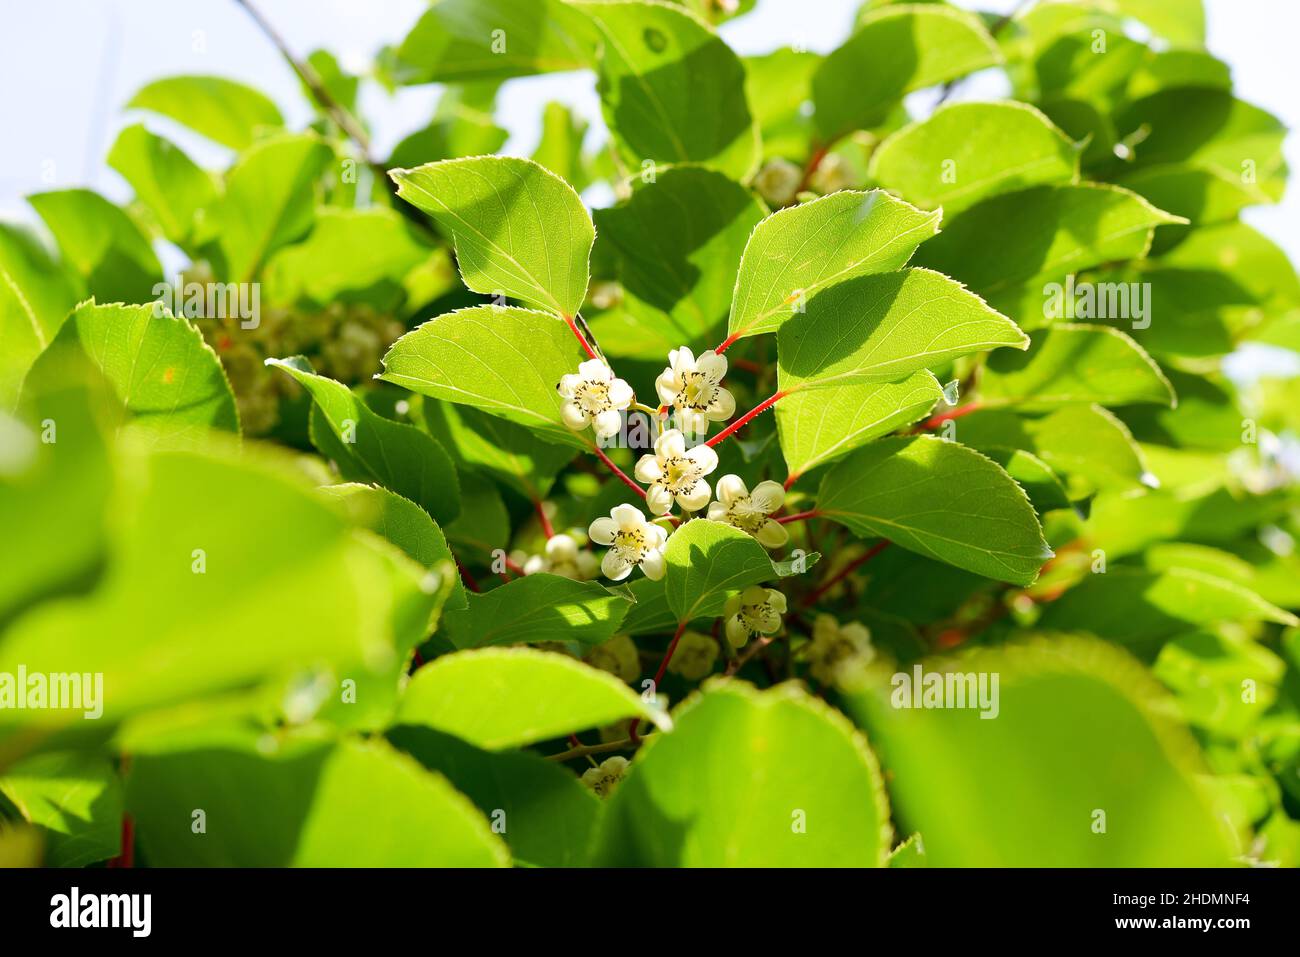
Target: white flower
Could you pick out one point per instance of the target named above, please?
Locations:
(755, 611)
(605, 778)
(563, 557)
(632, 541)
(691, 387)
(673, 472)
(749, 511)
(836, 650)
(594, 396)
(694, 657)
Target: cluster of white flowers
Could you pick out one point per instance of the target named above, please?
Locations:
(837, 650)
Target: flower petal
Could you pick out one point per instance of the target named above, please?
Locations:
(573, 415)
(768, 497)
(615, 566)
(672, 444)
(647, 469)
(653, 565)
(705, 459)
(629, 518)
(658, 499)
(722, 406)
(730, 488)
(737, 633)
(607, 423)
(717, 512)
(772, 534)
(712, 365)
(695, 497)
(620, 394)
(595, 370)
(602, 531)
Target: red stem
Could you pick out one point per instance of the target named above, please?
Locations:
(844, 572)
(745, 419)
(937, 420)
(541, 517)
(591, 353)
(609, 463)
(791, 479)
(470, 583)
(798, 516)
(659, 675)
(727, 343)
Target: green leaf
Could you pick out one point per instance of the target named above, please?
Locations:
(548, 815)
(941, 500)
(707, 563)
(1042, 233)
(493, 39)
(223, 110)
(368, 447)
(519, 230)
(1035, 476)
(1033, 781)
(269, 201)
(678, 243)
(672, 92)
(499, 698)
(884, 328)
(75, 799)
(536, 608)
(304, 803)
(22, 337)
(966, 152)
(796, 252)
(895, 50)
(560, 148)
(51, 290)
(169, 380)
(164, 179)
(403, 523)
(822, 425)
(500, 359)
(102, 243)
(352, 255)
(779, 85)
(263, 581)
(1081, 440)
(1135, 607)
(1076, 363)
(750, 779)
(491, 445)
(1209, 129)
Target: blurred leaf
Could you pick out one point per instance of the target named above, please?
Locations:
(493, 39)
(1038, 787)
(304, 803)
(223, 110)
(102, 243)
(75, 799)
(164, 179)
(508, 697)
(749, 779)
(269, 201)
(544, 814)
(560, 148)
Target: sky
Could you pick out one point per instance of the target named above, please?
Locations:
(67, 67)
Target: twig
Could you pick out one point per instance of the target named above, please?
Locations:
(754, 648)
(937, 420)
(798, 516)
(307, 73)
(659, 675)
(582, 751)
(609, 463)
(843, 573)
(747, 417)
